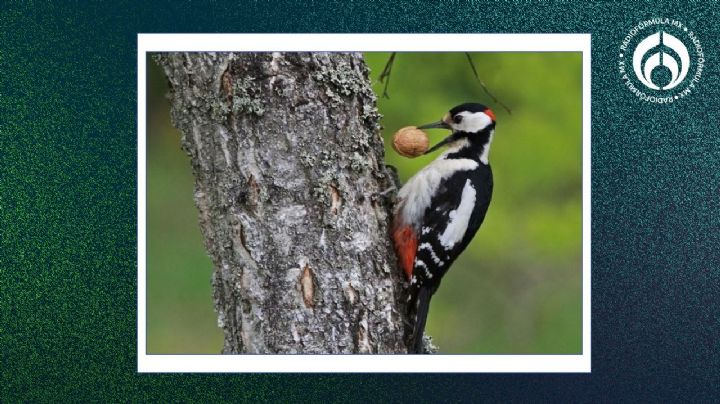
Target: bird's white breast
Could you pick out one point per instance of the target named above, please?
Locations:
(416, 195)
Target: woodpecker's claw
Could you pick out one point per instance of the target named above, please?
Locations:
(386, 192)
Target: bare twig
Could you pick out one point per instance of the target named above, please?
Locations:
(472, 65)
(386, 74)
(385, 78)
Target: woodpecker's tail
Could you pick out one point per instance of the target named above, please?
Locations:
(422, 306)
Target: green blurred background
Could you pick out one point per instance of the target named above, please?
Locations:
(515, 290)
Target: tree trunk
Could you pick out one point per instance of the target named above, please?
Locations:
(294, 199)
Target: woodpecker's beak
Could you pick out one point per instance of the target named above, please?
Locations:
(443, 124)
(442, 143)
(436, 125)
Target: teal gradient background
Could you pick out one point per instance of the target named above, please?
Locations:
(68, 206)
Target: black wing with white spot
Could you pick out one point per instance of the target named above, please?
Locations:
(450, 223)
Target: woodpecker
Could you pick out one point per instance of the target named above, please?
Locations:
(440, 208)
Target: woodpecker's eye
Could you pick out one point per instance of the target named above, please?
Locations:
(457, 118)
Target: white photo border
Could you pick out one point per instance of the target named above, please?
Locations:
(399, 363)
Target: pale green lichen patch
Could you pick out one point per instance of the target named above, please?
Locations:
(246, 97)
(341, 81)
(371, 116)
(360, 140)
(320, 190)
(358, 163)
(219, 109)
(328, 158)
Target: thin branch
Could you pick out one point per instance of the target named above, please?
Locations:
(386, 74)
(472, 65)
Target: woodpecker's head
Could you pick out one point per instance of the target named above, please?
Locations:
(470, 121)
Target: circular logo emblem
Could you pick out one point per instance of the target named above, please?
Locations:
(661, 61)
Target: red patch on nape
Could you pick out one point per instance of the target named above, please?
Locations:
(406, 244)
(491, 114)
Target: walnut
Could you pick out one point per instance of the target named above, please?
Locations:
(410, 142)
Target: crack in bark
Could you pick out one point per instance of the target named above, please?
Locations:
(308, 289)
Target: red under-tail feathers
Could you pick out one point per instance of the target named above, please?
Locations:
(406, 244)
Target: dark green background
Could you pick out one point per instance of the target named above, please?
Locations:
(68, 189)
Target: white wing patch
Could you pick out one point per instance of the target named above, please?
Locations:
(459, 218)
(417, 193)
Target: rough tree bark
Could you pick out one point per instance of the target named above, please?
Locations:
(292, 192)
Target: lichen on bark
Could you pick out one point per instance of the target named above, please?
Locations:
(294, 199)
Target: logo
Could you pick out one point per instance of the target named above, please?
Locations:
(661, 61)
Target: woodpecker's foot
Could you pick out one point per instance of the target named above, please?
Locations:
(392, 175)
(387, 192)
(387, 195)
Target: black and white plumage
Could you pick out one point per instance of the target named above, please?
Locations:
(441, 207)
